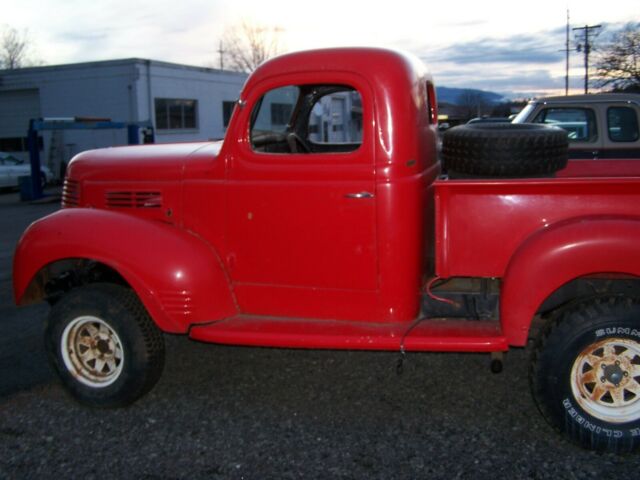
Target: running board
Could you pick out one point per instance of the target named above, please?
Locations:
(434, 335)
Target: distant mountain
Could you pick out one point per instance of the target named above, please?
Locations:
(453, 95)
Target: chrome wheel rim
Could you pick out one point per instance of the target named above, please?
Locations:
(605, 380)
(92, 351)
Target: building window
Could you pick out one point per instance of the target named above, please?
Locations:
(176, 114)
(227, 110)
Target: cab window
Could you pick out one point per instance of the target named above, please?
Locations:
(580, 123)
(308, 119)
(622, 124)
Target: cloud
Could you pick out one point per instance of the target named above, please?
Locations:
(469, 23)
(522, 64)
(82, 36)
(512, 82)
(609, 31)
(542, 48)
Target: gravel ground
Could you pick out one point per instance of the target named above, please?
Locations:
(233, 412)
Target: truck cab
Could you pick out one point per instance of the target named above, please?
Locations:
(603, 130)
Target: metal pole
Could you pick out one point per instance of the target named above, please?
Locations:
(133, 134)
(34, 159)
(566, 77)
(586, 60)
(221, 52)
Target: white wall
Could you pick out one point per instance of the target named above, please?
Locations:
(208, 87)
(122, 90)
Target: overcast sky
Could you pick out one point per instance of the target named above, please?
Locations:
(508, 46)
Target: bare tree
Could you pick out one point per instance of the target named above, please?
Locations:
(14, 48)
(619, 63)
(473, 103)
(245, 46)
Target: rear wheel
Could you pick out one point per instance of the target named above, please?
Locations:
(104, 346)
(585, 374)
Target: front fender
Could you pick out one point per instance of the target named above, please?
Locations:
(178, 277)
(561, 253)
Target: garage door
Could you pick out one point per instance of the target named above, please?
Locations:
(17, 107)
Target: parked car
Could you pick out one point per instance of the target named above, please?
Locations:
(12, 167)
(603, 129)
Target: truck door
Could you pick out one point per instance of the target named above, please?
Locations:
(302, 198)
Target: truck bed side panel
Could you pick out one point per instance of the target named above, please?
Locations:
(480, 224)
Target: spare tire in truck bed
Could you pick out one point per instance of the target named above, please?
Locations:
(504, 150)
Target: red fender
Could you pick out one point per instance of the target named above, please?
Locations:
(177, 276)
(561, 253)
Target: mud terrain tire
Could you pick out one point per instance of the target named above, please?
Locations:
(104, 346)
(504, 150)
(585, 374)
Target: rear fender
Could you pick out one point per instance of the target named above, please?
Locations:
(178, 277)
(558, 254)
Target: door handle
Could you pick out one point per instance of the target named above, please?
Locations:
(359, 195)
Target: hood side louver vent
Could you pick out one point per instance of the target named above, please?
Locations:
(70, 193)
(133, 199)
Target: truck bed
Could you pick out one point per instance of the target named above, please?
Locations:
(481, 223)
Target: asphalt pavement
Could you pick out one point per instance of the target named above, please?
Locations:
(258, 413)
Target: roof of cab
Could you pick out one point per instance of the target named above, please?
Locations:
(370, 63)
(591, 98)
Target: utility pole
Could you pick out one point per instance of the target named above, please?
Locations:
(566, 76)
(566, 50)
(221, 53)
(586, 47)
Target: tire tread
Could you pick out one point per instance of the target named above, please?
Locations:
(147, 343)
(559, 327)
(504, 150)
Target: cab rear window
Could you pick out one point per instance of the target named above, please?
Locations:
(580, 123)
(622, 124)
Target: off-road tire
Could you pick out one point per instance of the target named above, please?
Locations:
(593, 336)
(128, 335)
(504, 150)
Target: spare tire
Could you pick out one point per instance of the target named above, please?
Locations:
(504, 150)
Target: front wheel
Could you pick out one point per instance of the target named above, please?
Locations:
(585, 374)
(104, 346)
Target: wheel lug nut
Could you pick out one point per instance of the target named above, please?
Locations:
(602, 379)
(618, 362)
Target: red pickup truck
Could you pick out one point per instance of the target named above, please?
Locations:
(325, 220)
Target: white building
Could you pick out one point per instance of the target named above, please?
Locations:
(184, 103)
